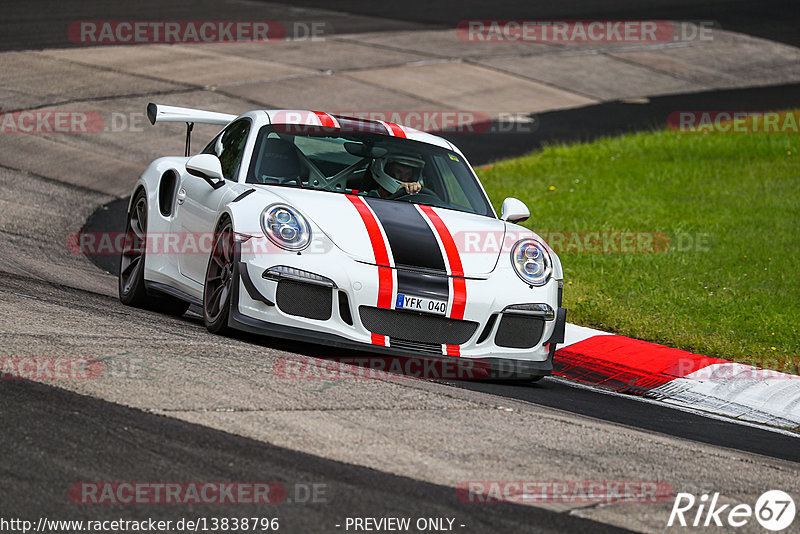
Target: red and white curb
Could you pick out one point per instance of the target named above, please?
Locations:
(625, 365)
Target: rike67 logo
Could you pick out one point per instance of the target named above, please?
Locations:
(774, 510)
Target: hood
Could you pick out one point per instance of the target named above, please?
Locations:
(417, 237)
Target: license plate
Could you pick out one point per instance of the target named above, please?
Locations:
(421, 304)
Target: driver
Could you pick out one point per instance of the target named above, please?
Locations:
(395, 172)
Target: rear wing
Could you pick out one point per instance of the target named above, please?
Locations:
(158, 113)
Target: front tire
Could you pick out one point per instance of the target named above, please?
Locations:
(219, 280)
(131, 286)
(131, 261)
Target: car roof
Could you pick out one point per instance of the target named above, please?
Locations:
(322, 119)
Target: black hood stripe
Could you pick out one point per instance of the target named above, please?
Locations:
(411, 240)
(419, 284)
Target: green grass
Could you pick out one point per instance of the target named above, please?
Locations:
(728, 283)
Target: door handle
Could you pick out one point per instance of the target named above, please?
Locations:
(181, 196)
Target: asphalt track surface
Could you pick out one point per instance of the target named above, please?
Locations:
(772, 19)
(51, 438)
(111, 442)
(22, 27)
(612, 118)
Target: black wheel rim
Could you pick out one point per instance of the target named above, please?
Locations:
(219, 276)
(132, 261)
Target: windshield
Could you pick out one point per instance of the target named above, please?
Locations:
(367, 164)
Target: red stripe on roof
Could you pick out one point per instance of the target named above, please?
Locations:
(396, 129)
(326, 120)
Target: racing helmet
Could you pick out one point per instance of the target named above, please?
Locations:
(383, 170)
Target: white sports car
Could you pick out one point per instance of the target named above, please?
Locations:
(348, 232)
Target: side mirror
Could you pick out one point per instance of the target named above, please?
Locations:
(514, 210)
(207, 167)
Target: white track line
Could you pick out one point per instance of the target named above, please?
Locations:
(681, 408)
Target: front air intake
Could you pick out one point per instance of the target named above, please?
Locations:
(519, 331)
(304, 300)
(421, 328)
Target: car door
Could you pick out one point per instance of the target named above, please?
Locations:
(198, 202)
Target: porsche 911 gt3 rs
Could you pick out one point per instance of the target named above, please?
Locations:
(347, 232)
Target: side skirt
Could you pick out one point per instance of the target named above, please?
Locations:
(158, 287)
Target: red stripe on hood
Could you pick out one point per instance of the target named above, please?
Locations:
(379, 249)
(453, 259)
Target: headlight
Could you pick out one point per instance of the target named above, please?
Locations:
(285, 227)
(532, 262)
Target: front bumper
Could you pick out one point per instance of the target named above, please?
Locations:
(256, 308)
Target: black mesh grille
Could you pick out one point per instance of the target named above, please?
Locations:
(519, 331)
(305, 300)
(416, 327)
(412, 346)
